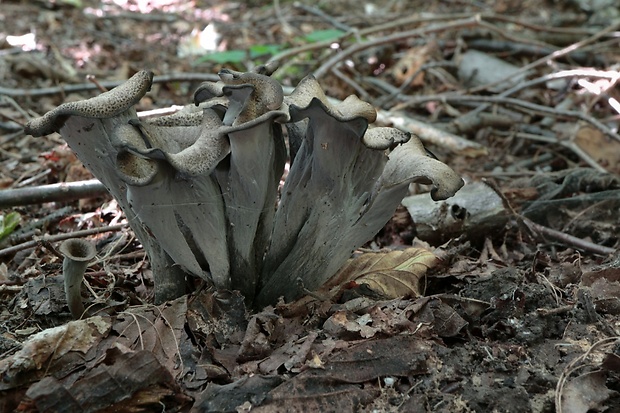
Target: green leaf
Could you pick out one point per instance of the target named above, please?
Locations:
(228, 56)
(323, 35)
(71, 3)
(240, 56)
(259, 50)
(74, 3)
(8, 223)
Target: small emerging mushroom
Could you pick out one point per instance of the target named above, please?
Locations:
(77, 253)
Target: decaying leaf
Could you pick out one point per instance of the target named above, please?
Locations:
(600, 147)
(336, 388)
(585, 393)
(50, 345)
(391, 274)
(130, 382)
(230, 397)
(411, 63)
(342, 324)
(159, 330)
(604, 286)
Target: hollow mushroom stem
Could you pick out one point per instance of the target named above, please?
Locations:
(77, 253)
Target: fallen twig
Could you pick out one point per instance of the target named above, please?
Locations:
(60, 237)
(60, 192)
(570, 145)
(556, 54)
(431, 134)
(545, 110)
(32, 228)
(321, 14)
(518, 47)
(109, 84)
(568, 239)
(564, 74)
(458, 24)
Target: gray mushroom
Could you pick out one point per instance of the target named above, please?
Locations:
(341, 190)
(189, 156)
(201, 188)
(352, 107)
(106, 105)
(133, 168)
(207, 91)
(411, 163)
(269, 91)
(78, 253)
(384, 138)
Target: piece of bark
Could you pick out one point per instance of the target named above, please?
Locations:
(476, 210)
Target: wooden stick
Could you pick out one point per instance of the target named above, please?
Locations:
(63, 192)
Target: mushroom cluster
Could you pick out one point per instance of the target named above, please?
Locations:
(201, 188)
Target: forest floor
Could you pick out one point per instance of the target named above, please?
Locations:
(521, 315)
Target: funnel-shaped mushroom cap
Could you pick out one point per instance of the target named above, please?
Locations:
(77, 253)
(269, 93)
(384, 138)
(105, 105)
(196, 158)
(77, 249)
(411, 163)
(208, 90)
(133, 168)
(352, 107)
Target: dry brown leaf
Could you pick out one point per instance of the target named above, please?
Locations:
(127, 382)
(158, 329)
(604, 287)
(410, 63)
(392, 274)
(343, 324)
(585, 393)
(602, 148)
(51, 344)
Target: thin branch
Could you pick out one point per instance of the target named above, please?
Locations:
(570, 145)
(568, 239)
(456, 98)
(321, 14)
(108, 84)
(546, 59)
(61, 237)
(564, 238)
(573, 366)
(60, 192)
(564, 74)
(458, 24)
(415, 19)
(32, 227)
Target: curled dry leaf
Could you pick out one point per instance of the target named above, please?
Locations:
(392, 274)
